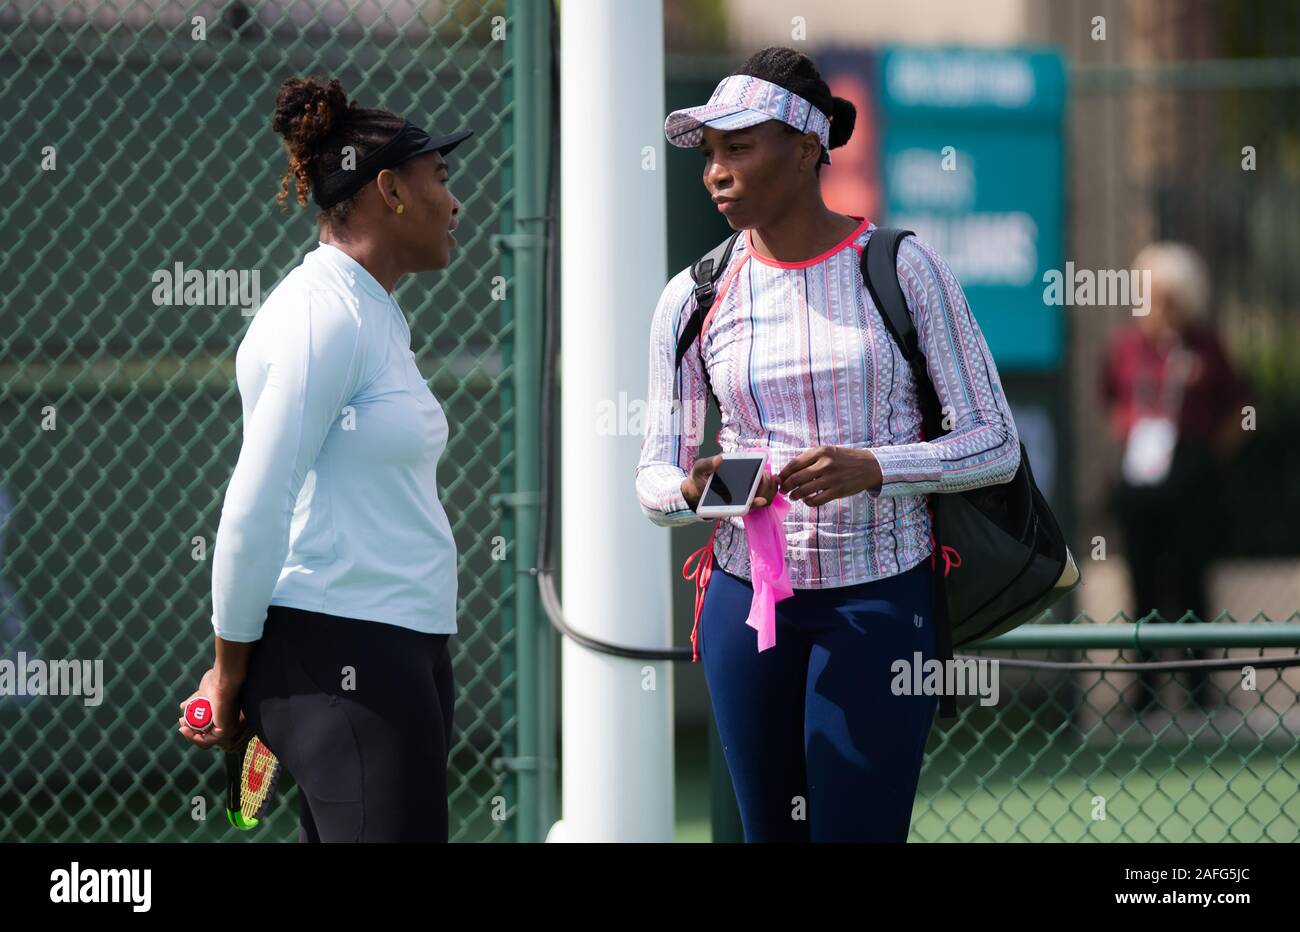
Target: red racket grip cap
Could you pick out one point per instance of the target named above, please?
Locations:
(198, 713)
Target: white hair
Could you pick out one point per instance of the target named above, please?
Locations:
(1178, 270)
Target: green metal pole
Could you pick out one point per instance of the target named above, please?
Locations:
(1145, 635)
(528, 50)
(508, 633)
(540, 17)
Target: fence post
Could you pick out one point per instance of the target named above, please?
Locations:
(527, 105)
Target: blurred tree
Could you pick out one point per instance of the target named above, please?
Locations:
(695, 25)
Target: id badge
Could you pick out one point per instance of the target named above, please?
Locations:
(1150, 450)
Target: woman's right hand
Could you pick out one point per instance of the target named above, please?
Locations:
(693, 485)
(228, 720)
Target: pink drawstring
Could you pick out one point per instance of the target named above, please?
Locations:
(951, 558)
(703, 559)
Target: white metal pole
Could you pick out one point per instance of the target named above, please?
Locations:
(617, 716)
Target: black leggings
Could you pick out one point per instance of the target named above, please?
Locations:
(1172, 533)
(360, 715)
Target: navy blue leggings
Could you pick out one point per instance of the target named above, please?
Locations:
(818, 745)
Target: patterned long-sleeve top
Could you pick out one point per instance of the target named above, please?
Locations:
(798, 356)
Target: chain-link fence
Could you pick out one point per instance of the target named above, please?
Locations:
(1083, 744)
(138, 138)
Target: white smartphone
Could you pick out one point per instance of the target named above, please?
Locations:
(731, 488)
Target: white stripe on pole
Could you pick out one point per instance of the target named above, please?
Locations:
(617, 717)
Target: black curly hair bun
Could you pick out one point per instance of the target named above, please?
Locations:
(307, 111)
(844, 116)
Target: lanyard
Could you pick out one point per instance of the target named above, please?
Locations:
(1177, 366)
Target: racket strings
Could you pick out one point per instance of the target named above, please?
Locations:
(257, 779)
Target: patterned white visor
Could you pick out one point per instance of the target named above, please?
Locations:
(742, 100)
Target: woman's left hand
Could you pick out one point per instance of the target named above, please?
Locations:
(825, 473)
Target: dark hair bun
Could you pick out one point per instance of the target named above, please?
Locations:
(843, 118)
(306, 112)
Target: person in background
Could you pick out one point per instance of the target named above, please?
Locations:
(1174, 403)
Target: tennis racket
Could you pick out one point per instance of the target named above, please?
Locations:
(251, 774)
(251, 770)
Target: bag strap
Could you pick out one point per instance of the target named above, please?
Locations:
(705, 272)
(880, 274)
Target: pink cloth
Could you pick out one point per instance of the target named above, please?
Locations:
(765, 531)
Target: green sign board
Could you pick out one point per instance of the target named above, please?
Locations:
(972, 161)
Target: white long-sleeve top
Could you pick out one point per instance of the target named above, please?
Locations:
(798, 356)
(333, 505)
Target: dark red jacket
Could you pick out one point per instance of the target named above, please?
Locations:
(1213, 391)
